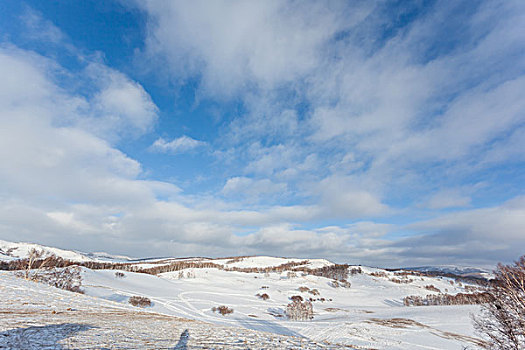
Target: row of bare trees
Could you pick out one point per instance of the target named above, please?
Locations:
(447, 299)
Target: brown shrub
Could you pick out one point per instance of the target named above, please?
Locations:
(263, 296)
(223, 310)
(296, 298)
(139, 301)
(314, 291)
(432, 288)
(379, 274)
(355, 271)
(400, 281)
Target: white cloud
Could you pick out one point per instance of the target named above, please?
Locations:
(233, 44)
(347, 123)
(450, 198)
(178, 145)
(386, 103)
(38, 28)
(121, 107)
(253, 189)
(343, 197)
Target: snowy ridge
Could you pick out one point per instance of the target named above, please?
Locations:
(20, 250)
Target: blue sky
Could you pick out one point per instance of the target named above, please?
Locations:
(375, 132)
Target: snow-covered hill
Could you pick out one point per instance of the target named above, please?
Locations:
(369, 314)
(36, 316)
(20, 250)
(366, 313)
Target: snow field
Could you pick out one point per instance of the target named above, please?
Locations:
(35, 316)
(370, 314)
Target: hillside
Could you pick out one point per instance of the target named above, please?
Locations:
(35, 317)
(365, 310)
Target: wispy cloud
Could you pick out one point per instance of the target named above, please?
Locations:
(178, 145)
(38, 28)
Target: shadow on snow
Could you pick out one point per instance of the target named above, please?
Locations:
(37, 337)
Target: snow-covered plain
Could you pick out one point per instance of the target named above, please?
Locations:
(370, 314)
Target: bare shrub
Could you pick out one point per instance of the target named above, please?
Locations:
(290, 274)
(335, 272)
(379, 274)
(223, 310)
(401, 281)
(300, 311)
(235, 259)
(67, 278)
(263, 296)
(119, 274)
(304, 289)
(355, 271)
(337, 284)
(405, 273)
(314, 291)
(503, 317)
(296, 298)
(432, 288)
(139, 301)
(471, 289)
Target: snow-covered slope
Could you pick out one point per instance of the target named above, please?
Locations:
(367, 314)
(36, 316)
(20, 250)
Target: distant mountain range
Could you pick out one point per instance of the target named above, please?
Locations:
(463, 271)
